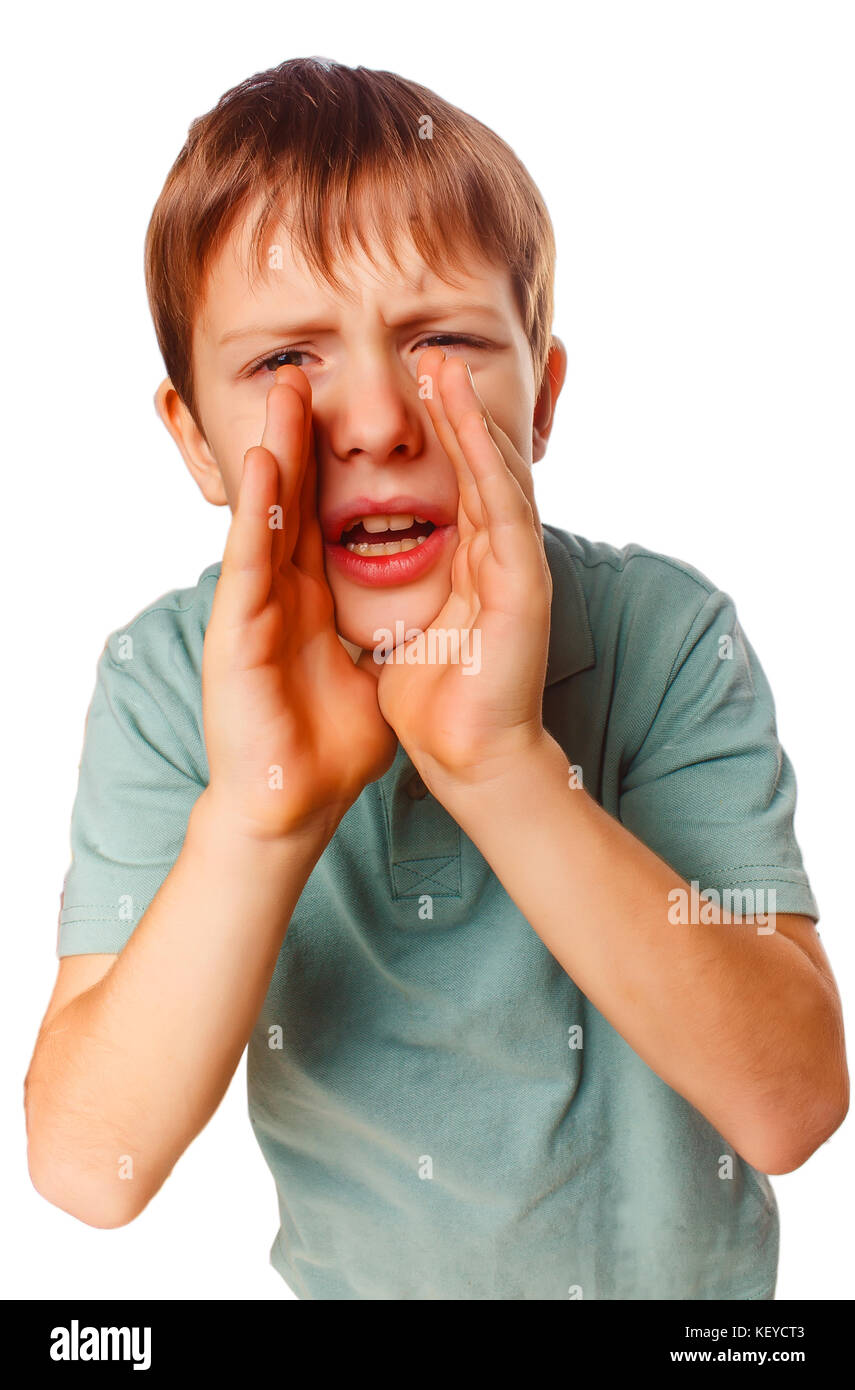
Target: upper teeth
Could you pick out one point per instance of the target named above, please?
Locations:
(400, 521)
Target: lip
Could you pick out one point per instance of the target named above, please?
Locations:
(383, 571)
(333, 525)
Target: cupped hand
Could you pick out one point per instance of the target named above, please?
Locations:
(465, 718)
(293, 727)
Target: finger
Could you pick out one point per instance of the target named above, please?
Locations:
(464, 603)
(246, 572)
(428, 373)
(477, 551)
(460, 393)
(284, 436)
(309, 546)
(515, 540)
(303, 531)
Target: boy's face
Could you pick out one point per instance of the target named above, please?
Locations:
(377, 450)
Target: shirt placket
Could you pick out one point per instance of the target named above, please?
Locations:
(424, 840)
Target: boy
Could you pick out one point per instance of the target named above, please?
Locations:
(443, 812)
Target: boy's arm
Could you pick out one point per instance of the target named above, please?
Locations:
(126, 1074)
(133, 1067)
(746, 1026)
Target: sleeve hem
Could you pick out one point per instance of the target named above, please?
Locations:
(792, 890)
(92, 936)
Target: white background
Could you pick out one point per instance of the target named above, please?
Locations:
(697, 161)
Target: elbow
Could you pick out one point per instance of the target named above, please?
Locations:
(68, 1185)
(78, 1199)
(55, 1174)
(799, 1120)
(790, 1146)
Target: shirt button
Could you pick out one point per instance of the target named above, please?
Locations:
(416, 788)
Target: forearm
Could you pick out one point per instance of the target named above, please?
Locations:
(739, 1023)
(125, 1076)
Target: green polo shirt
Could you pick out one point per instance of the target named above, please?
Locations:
(445, 1114)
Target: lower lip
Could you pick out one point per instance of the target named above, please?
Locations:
(384, 571)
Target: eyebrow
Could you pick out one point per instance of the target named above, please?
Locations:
(305, 329)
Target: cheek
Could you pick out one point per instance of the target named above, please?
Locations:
(229, 436)
(508, 393)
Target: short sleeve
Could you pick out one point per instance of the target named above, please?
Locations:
(710, 789)
(138, 780)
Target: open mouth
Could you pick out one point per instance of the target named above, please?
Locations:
(385, 548)
(386, 535)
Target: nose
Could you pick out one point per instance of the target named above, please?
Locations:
(374, 412)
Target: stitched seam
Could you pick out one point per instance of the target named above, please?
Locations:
(424, 868)
(791, 883)
(387, 825)
(799, 876)
(440, 859)
(679, 651)
(81, 921)
(167, 607)
(442, 862)
(427, 878)
(83, 907)
(762, 864)
(590, 564)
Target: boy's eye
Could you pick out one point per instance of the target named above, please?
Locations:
(283, 356)
(278, 359)
(450, 339)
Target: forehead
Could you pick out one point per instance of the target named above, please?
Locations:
(236, 288)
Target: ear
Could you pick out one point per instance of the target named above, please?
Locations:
(191, 442)
(544, 406)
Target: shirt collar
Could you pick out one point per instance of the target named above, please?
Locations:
(571, 642)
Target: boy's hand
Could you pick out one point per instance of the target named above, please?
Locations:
(468, 724)
(293, 729)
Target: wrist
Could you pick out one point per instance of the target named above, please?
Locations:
(215, 822)
(532, 754)
(512, 796)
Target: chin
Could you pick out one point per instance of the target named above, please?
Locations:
(360, 615)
